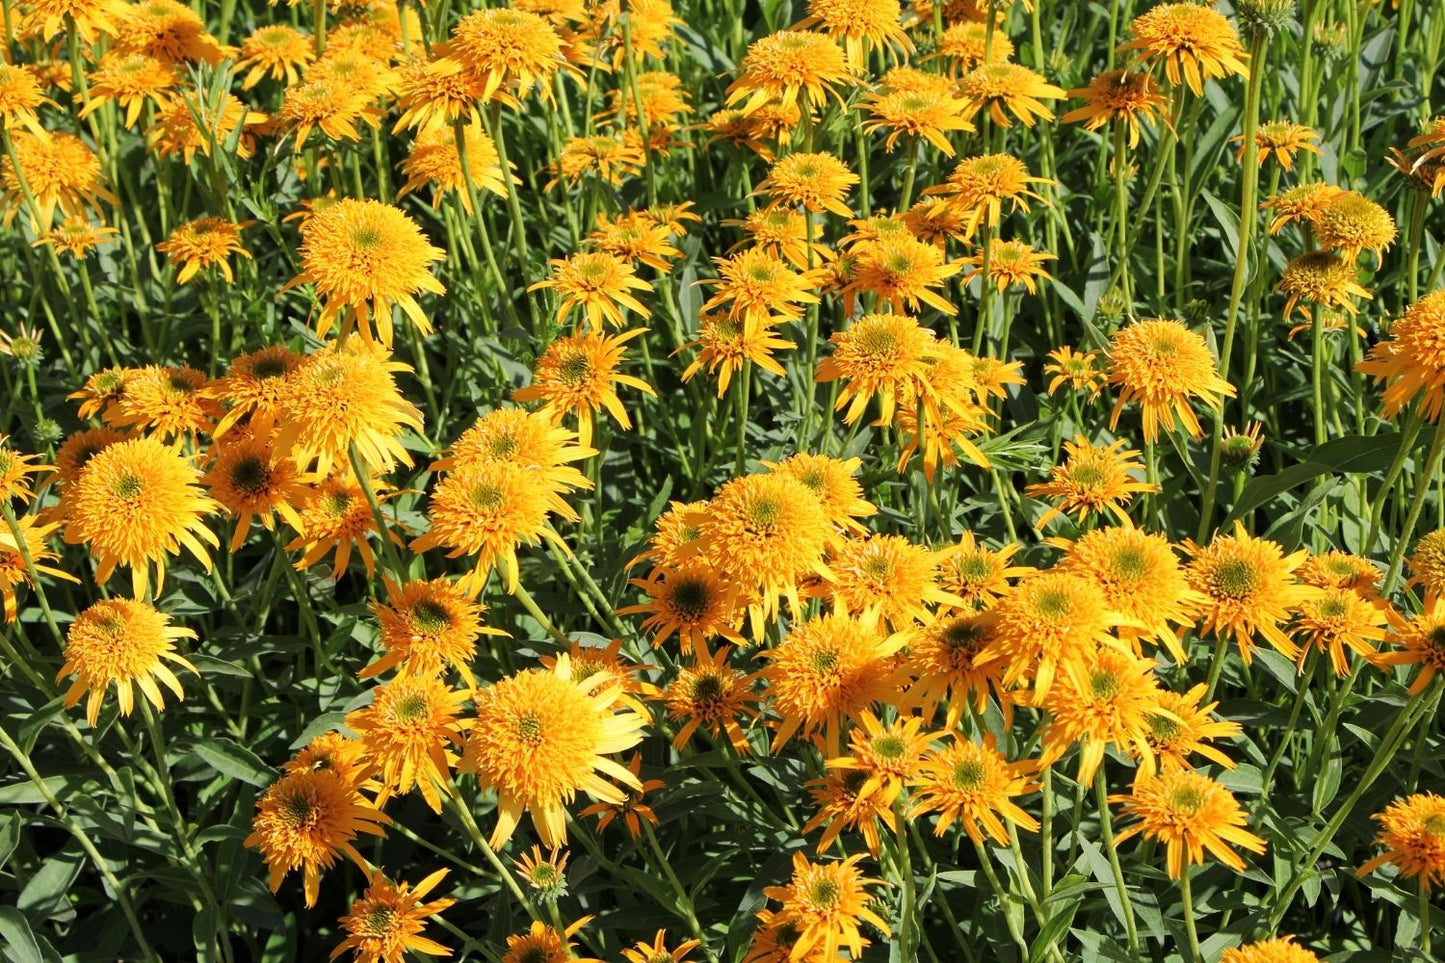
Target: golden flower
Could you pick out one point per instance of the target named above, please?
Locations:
(332, 107)
(407, 731)
(368, 76)
(20, 94)
(1412, 830)
(758, 287)
(545, 877)
(1273, 950)
(728, 343)
(982, 186)
(364, 257)
(13, 568)
(1128, 96)
(249, 481)
(632, 808)
(134, 503)
(634, 236)
(1142, 581)
(60, 172)
(543, 944)
(204, 242)
(691, 601)
(607, 156)
(916, 116)
(1335, 569)
(974, 785)
(1009, 263)
(833, 481)
(765, 534)
(1303, 203)
(387, 920)
(879, 355)
(308, 818)
(1426, 563)
(427, 626)
(847, 801)
(47, 18)
(826, 902)
(885, 579)
(1354, 223)
(1047, 619)
(539, 737)
(1412, 360)
(1075, 369)
(1240, 449)
(862, 25)
(77, 451)
(340, 754)
(793, 67)
(528, 439)
(978, 574)
(1338, 619)
(675, 535)
(598, 283)
(1418, 640)
(965, 46)
(1281, 139)
(1092, 478)
(510, 52)
(657, 951)
(342, 399)
(1014, 88)
(827, 672)
(487, 511)
(817, 182)
(576, 375)
(275, 51)
(1162, 364)
(431, 95)
(888, 755)
(1190, 813)
(1102, 697)
(1193, 42)
(126, 642)
(169, 31)
(169, 401)
(255, 389)
(15, 468)
(76, 236)
(941, 661)
(336, 515)
(1250, 588)
(1182, 727)
(1324, 278)
(711, 694)
(903, 272)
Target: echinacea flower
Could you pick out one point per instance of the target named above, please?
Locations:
(576, 376)
(408, 731)
(1129, 97)
(827, 902)
(1163, 365)
(125, 642)
(791, 67)
(387, 920)
(973, 785)
(1411, 361)
(1250, 589)
(1412, 831)
(1190, 814)
(202, 243)
(1193, 42)
(1092, 478)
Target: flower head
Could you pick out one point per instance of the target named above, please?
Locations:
(408, 732)
(387, 920)
(1007, 88)
(826, 902)
(973, 785)
(202, 243)
(1162, 364)
(1194, 43)
(1250, 588)
(576, 375)
(1412, 361)
(1130, 97)
(125, 642)
(1191, 814)
(1412, 831)
(791, 67)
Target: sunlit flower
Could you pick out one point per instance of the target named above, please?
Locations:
(973, 785)
(1191, 814)
(1412, 831)
(126, 642)
(1127, 96)
(1194, 42)
(1163, 365)
(387, 920)
(576, 375)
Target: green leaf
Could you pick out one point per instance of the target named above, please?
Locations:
(210, 665)
(1055, 928)
(45, 893)
(20, 942)
(234, 760)
(9, 837)
(1227, 219)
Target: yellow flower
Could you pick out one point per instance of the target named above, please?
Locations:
(880, 355)
(610, 158)
(337, 516)
(135, 503)
(827, 902)
(524, 438)
(364, 257)
(427, 626)
(488, 510)
(434, 160)
(713, 695)
(1250, 588)
(759, 288)
(1075, 369)
(1006, 86)
(407, 731)
(254, 391)
(202, 243)
(834, 483)
(50, 17)
(941, 661)
(13, 569)
(388, 919)
(1274, 950)
(20, 94)
(539, 737)
(60, 171)
(1412, 360)
(341, 398)
(885, 579)
(978, 574)
(169, 31)
(917, 116)
(1046, 620)
(817, 182)
(126, 642)
(432, 95)
(1426, 563)
(1281, 139)
(765, 534)
(131, 80)
(77, 237)
(576, 374)
(903, 272)
(1093, 478)
(546, 877)
(1190, 813)
(1102, 697)
(250, 482)
(1323, 277)
(1181, 727)
(308, 818)
(1193, 42)
(1128, 96)
(657, 951)
(635, 237)
(1162, 364)
(974, 785)
(964, 45)
(793, 67)
(862, 25)
(598, 283)
(543, 944)
(1009, 263)
(982, 186)
(1412, 830)
(1353, 223)
(274, 51)
(1419, 640)
(828, 671)
(15, 468)
(728, 343)
(510, 52)
(691, 601)
(1303, 203)
(1338, 619)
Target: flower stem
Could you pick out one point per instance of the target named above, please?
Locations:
(1186, 895)
(1106, 828)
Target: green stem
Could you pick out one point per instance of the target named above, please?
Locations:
(1186, 895)
(1106, 829)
